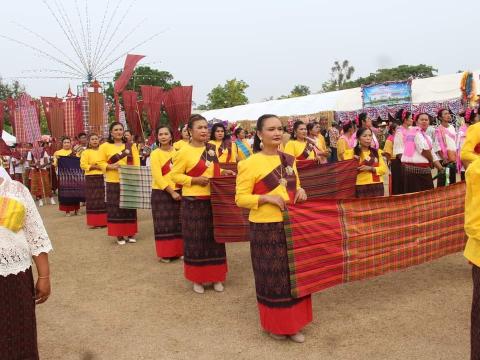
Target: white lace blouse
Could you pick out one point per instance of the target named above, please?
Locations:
(16, 249)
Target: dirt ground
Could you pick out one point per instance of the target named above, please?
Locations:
(119, 302)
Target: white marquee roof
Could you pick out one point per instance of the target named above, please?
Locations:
(437, 88)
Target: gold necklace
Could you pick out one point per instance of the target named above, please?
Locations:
(282, 181)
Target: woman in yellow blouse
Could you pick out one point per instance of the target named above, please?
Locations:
(241, 147)
(223, 145)
(299, 146)
(388, 146)
(94, 184)
(121, 223)
(313, 132)
(347, 141)
(65, 204)
(266, 182)
(372, 166)
(471, 158)
(205, 261)
(184, 140)
(165, 199)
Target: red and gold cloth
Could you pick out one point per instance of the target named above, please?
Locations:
(334, 181)
(331, 242)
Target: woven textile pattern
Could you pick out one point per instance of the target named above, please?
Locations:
(27, 126)
(69, 118)
(96, 110)
(72, 180)
(331, 242)
(135, 187)
(231, 224)
(85, 111)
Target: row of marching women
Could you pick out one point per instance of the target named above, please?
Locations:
(267, 180)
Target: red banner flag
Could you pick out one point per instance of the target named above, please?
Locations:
(120, 84)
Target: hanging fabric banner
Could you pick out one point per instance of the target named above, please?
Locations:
(178, 105)
(133, 116)
(121, 83)
(153, 97)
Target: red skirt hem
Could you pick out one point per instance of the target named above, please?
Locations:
(125, 229)
(170, 248)
(208, 273)
(68, 208)
(97, 219)
(286, 321)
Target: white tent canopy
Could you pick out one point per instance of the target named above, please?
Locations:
(8, 138)
(437, 88)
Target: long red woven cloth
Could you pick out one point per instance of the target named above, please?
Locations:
(333, 181)
(331, 242)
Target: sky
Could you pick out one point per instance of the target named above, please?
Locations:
(271, 45)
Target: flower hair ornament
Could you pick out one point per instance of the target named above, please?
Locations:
(357, 120)
(404, 114)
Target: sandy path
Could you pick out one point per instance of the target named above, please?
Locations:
(112, 302)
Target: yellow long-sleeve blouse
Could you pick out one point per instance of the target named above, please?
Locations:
(342, 147)
(107, 150)
(366, 177)
(388, 147)
(223, 159)
(472, 140)
(177, 145)
(472, 215)
(184, 161)
(88, 158)
(158, 158)
(239, 153)
(60, 153)
(295, 148)
(251, 171)
(321, 144)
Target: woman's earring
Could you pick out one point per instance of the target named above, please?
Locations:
(261, 144)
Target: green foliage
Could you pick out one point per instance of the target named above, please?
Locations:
(399, 73)
(232, 93)
(6, 91)
(298, 90)
(339, 75)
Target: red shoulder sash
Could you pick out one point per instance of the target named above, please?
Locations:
(273, 179)
(209, 156)
(126, 152)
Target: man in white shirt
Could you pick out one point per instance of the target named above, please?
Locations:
(446, 148)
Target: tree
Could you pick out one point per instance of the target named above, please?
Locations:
(300, 90)
(340, 74)
(399, 73)
(232, 93)
(6, 91)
